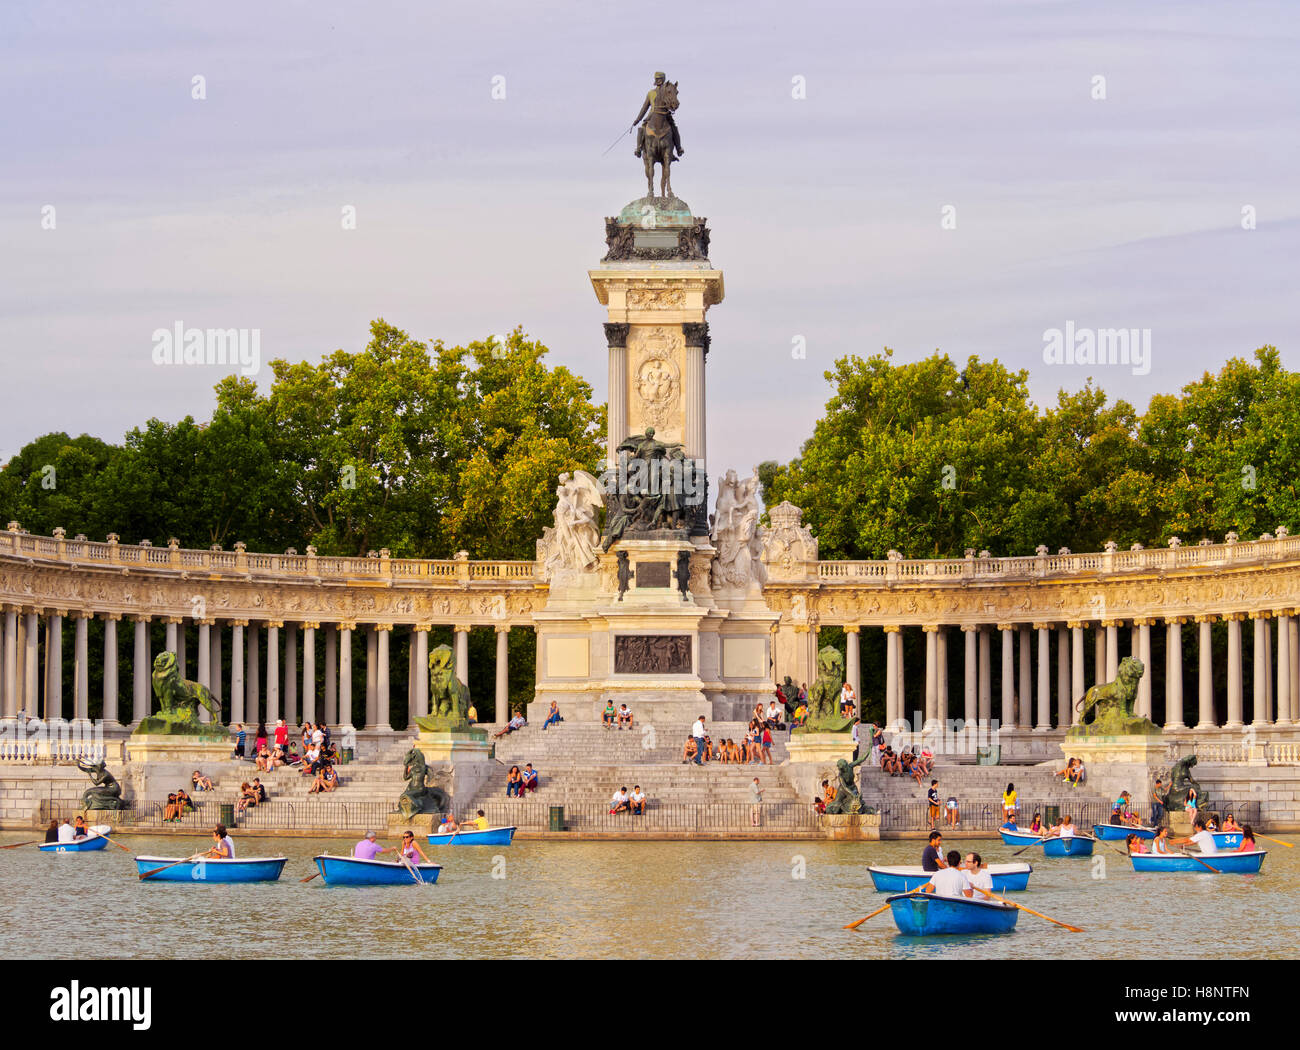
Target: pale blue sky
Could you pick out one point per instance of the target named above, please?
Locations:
(476, 214)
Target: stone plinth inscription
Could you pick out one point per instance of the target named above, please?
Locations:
(652, 654)
(653, 574)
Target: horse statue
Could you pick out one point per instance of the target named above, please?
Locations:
(658, 147)
(419, 797)
(106, 792)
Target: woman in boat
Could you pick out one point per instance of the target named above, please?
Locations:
(1247, 840)
(1160, 844)
(410, 850)
(1009, 801)
(1230, 823)
(1035, 825)
(514, 783)
(1134, 845)
(52, 832)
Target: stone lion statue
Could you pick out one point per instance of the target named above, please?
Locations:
(1107, 709)
(419, 796)
(179, 702)
(824, 696)
(448, 695)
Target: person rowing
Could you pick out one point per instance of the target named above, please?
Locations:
(1064, 830)
(950, 881)
(222, 846)
(1201, 837)
(410, 851)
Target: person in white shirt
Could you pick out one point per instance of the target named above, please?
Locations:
(697, 731)
(619, 803)
(637, 800)
(66, 832)
(1201, 837)
(950, 881)
(1064, 830)
(624, 716)
(774, 714)
(978, 874)
(848, 700)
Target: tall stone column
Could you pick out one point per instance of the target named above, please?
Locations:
(1077, 688)
(53, 666)
(309, 671)
(332, 675)
(462, 654)
(205, 664)
(931, 674)
(941, 650)
(273, 671)
(1099, 654)
(891, 674)
(1285, 707)
(110, 706)
(502, 710)
(1235, 713)
(1008, 677)
(11, 662)
(970, 665)
(215, 674)
(140, 675)
(32, 664)
(372, 677)
(1295, 666)
(986, 678)
(1259, 669)
(1205, 682)
(253, 674)
(616, 339)
(901, 668)
(384, 716)
(238, 712)
(421, 643)
(1025, 681)
(697, 338)
(20, 679)
(291, 674)
(1143, 652)
(345, 673)
(1063, 701)
(170, 623)
(852, 661)
(80, 664)
(1174, 672)
(1044, 677)
(1112, 648)
(182, 664)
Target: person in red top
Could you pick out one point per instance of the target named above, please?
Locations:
(767, 744)
(282, 735)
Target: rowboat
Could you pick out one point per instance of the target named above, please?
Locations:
(1069, 846)
(1222, 863)
(1120, 832)
(1019, 838)
(212, 869)
(95, 840)
(901, 878)
(354, 871)
(928, 914)
(485, 837)
(1226, 839)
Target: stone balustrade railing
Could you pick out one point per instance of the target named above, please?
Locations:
(1244, 752)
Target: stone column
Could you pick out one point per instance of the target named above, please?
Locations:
(53, 666)
(291, 674)
(696, 335)
(1174, 672)
(1008, 677)
(345, 673)
(273, 672)
(182, 664)
(1143, 653)
(384, 716)
(110, 707)
(1025, 681)
(332, 675)
(902, 677)
(1205, 684)
(852, 662)
(941, 649)
(421, 643)
(1044, 677)
(80, 664)
(32, 664)
(931, 674)
(1063, 702)
(309, 672)
(1295, 666)
(1112, 648)
(170, 623)
(462, 653)
(986, 678)
(970, 695)
(205, 664)
(1099, 654)
(1235, 713)
(891, 674)
(20, 679)
(502, 710)
(237, 711)
(372, 677)
(616, 340)
(215, 671)
(1077, 688)
(253, 675)
(1268, 669)
(140, 673)
(11, 662)
(1285, 708)
(1259, 669)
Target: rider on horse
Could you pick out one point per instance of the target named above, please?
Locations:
(647, 107)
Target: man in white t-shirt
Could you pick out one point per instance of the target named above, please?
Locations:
(619, 803)
(697, 731)
(950, 881)
(1201, 837)
(66, 832)
(978, 874)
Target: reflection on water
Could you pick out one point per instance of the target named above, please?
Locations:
(621, 900)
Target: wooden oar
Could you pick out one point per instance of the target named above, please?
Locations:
(1269, 838)
(855, 925)
(173, 864)
(1039, 842)
(33, 842)
(1072, 929)
(1201, 862)
(108, 839)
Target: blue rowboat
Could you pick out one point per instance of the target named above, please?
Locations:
(353, 871)
(901, 878)
(1019, 838)
(76, 846)
(1222, 863)
(1226, 839)
(210, 869)
(928, 915)
(486, 837)
(1121, 832)
(1072, 846)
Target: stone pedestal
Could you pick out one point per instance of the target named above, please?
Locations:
(851, 826)
(1120, 763)
(192, 750)
(456, 747)
(420, 823)
(812, 760)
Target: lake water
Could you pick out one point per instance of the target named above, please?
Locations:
(622, 900)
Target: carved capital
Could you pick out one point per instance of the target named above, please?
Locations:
(461, 627)
(930, 628)
(383, 627)
(1043, 626)
(696, 333)
(851, 628)
(893, 628)
(1006, 627)
(616, 335)
(311, 625)
(422, 628)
